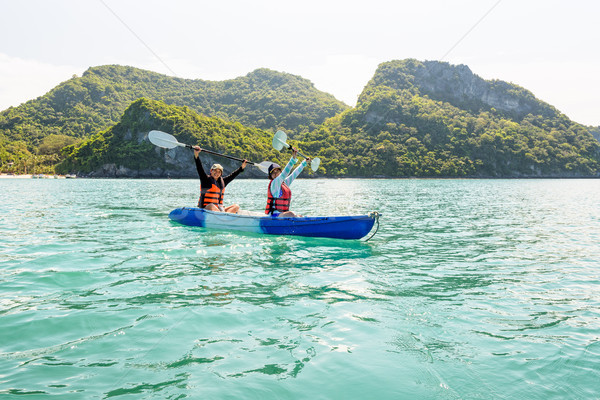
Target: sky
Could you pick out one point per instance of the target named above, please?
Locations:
(549, 47)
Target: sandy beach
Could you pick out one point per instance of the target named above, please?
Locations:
(29, 176)
(6, 176)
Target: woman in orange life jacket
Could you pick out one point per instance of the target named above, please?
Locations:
(212, 186)
(279, 194)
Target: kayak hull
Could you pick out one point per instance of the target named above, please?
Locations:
(344, 227)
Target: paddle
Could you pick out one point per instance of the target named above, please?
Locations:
(279, 140)
(167, 141)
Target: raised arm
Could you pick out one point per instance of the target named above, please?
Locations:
(276, 184)
(288, 181)
(235, 173)
(203, 177)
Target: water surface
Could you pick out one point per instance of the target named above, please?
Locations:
(471, 289)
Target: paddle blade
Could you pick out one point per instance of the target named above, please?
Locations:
(314, 164)
(279, 140)
(264, 166)
(164, 140)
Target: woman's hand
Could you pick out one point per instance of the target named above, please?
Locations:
(197, 151)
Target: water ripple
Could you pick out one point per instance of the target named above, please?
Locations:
(103, 296)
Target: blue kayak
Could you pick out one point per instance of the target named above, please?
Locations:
(348, 227)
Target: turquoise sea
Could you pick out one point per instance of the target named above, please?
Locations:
(471, 289)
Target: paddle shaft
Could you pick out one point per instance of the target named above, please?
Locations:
(168, 141)
(301, 155)
(289, 147)
(223, 155)
(281, 138)
(215, 153)
(261, 167)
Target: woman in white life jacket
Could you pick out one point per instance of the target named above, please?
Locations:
(212, 186)
(279, 194)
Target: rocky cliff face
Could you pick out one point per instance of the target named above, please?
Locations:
(459, 86)
(595, 131)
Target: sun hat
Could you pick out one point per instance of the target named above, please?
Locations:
(273, 166)
(217, 166)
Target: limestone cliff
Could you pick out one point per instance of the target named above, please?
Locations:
(459, 86)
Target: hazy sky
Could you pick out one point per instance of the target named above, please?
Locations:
(549, 47)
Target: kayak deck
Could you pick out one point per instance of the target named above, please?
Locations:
(342, 227)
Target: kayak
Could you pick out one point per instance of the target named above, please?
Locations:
(344, 227)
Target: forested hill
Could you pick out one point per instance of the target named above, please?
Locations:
(124, 150)
(435, 119)
(84, 105)
(413, 118)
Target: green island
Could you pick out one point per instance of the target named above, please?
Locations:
(413, 119)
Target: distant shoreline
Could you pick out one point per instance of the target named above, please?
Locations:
(6, 176)
(30, 176)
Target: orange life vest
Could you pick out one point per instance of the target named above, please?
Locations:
(279, 203)
(213, 195)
